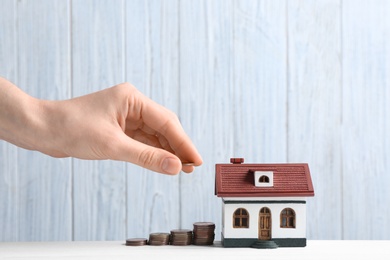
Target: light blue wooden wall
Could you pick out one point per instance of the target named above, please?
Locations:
(267, 80)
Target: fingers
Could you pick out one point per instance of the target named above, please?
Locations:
(168, 125)
(146, 156)
(157, 141)
(153, 136)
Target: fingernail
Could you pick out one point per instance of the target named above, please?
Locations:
(168, 166)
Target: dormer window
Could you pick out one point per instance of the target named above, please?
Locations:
(264, 178)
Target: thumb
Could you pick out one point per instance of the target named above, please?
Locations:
(149, 157)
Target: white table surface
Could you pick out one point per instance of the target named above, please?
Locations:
(315, 249)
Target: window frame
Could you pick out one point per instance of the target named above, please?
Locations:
(287, 218)
(239, 215)
(264, 179)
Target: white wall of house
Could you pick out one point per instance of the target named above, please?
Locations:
(253, 209)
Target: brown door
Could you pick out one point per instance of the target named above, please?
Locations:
(264, 224)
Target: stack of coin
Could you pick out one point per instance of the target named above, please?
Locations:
(204, 233)
(159, 239)
(181, 237)
(136, 241)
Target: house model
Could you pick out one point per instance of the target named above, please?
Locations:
(263, 205)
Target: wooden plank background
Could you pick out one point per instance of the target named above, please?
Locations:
(270, 81)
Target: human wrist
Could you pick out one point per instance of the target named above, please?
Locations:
(29, 125)
(47, 127)
(38, 124)
(19, 116)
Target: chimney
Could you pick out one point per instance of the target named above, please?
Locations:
(236, 160)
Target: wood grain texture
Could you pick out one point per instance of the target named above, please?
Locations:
(152, 65)
(270, 81)
(260, 78)
(366, 109)
(9, 186)
(206, 110)
(99, 198)
(314, 108)
(43, 183)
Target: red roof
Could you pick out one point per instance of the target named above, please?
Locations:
(237, 180)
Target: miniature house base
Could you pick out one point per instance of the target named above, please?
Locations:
(256, 243)
(263, 205)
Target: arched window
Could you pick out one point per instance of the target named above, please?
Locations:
(287, 218)
(240, 218)
(264, 179)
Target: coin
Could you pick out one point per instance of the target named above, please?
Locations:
(204, 233)
(159, 239)
(136, 241)
(204, 224)
(181, 237)
(188, 163)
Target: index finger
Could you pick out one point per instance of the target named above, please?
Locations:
(165, 122)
